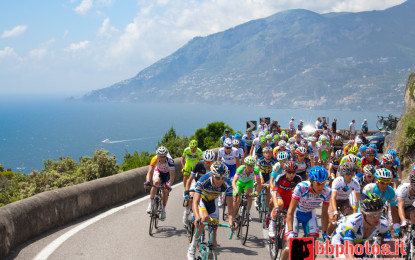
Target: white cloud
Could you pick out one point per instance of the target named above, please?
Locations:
(40, 53)
(74, 47)
(16, 31)
(106, 30)
(83, 7)
(7, 51)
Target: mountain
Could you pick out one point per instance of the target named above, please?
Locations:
(296, 58)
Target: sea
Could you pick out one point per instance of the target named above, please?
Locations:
(34, 129)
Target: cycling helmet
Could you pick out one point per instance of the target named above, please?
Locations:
(227, 131)
(267, 149)
(323, 138)
(282, 143)
(263, 140)
(369, 169)
(193, 144)
(301, 151)
(284, 136)
(249, 130)
(392, 152)
(235, 142)
(261, 134)
(275, 138)
(339, 154)
(387, 158)
(290, 166)
(347, 168)
(370, 151)
(250, 160)
(412, 177)
(338, 131)
(383, 174)
(363, 148)
(227, 142)
(338, 137)
(266, 132)
(282, 156)
(209, 156)
(162, 151)
(283, 132)
(291, 140)
(269, 136)
(371, 202)
(219, 169)
(374, 146)
(351, 158)
(318, 173)
(303, 143)
(238, 136)
(353, 150)
(312, 139)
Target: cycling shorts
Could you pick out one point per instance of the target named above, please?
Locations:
(242, 186)
(188, 167)
(266, 177)
(343, 204)
(285, 197)
(211, 207)
(324, 155)
(307, 220)
(164, 177)
(232, 170)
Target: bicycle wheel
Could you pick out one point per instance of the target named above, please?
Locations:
(224, 209)
(260, 208)
(157, 214)
(153, 218)
(244, 225)
(189, 231)
(380, 124)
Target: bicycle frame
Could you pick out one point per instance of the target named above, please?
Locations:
(209, 248)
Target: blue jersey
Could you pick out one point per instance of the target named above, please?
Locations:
(208, 192)
(389, 195)
(222, 139)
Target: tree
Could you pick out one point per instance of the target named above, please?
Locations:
(136, 160)
(175, 144)
(98, 166)
(209, 137)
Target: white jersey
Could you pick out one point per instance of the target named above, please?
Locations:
(307, 200)
(403, 193)
(241, 153)
(343, 190)
(229, 159)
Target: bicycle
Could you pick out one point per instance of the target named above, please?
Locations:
(156, 208)
(376, 241)
(207, 251)
(190, 225)
(224, 206)
(276, 244)
(387, 123)
(409, 238)
(243, 220)
(263, 205)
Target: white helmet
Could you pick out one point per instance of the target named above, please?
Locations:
(383, 173)
(162, 151)
(235, 142)
(209, 156)
(291, 140)
(227, 142)
(351, 158)
(282, 143)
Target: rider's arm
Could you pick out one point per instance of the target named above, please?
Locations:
(189, 181)
(290, 214)
(235, 179)
(324, 217)
(333, 201)
(357, 201)
(196, 201)
(183, 161)
(229, 202)
(401, 209)
(171, 178)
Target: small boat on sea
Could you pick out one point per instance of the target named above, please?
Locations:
(106, 141)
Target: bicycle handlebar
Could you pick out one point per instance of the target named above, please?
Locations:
(158, 187)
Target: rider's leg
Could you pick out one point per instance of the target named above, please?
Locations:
(249, 192)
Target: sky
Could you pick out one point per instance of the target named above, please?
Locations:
(71, 47)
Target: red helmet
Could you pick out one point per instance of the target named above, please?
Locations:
(290, 166)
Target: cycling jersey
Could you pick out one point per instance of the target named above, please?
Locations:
(199, 170)
(222, 139)
(276, 170)
(396, 163)
(284, 188)
(343, 190)
(165, 167)
(248, 140)
(208, 192)
(323, 146)
(403, 193)
(360, 178)
(335, 164)
(307, 200)
(303, 168)
(337, 145)
(265, 167)
(191, 158)
(313, 151)
(245, 180)
(374, 162)
(388, 195)
(228, 159)
(351, 229)
(258, 151)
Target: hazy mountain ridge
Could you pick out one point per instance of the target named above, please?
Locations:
(294, 58)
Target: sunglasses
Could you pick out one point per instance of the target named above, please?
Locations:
(369, 175)
(384, 182)
(387, 163)
(320, 183)
(227, 148)
(291, 172)
(349, 173)
(370, 155)
(220, 178)
(301, 155)
(374, 214)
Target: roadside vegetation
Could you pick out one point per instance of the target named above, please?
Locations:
(65, 171)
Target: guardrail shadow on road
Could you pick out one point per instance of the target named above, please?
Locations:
(236, 250)
(255, 242)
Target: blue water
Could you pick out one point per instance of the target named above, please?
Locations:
(33, 130)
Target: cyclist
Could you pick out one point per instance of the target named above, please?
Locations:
(303, 164)
(161, 170)
(291, 127)
(243, 182)
(314, 151)
(269, 138)
(360, 227)
(387, 193)
(375, 147)
(352, 158)
(387, 161)
(259, 149)
(337, 143)
(334, 165)
(366, 177)
(307, 196)
(362, 151)
(191, 155)
(323, 147)
(198, 171)
(406, 198)
(370, 158)
(280, 148)
(236, 144)
(248, 138)
(396, 163)
(242, 144)
(347, 147)
(208, 188)
(342, 188)
(226, 135)
(282, 158)
(282, 192)
(275, 141)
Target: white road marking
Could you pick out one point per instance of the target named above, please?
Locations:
(49, 249)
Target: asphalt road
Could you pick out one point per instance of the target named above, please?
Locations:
(124, 235)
